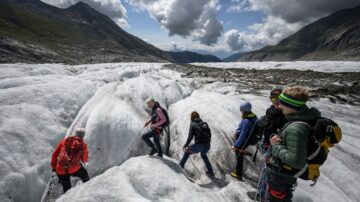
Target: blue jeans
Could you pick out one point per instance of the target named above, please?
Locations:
(203, 149)
(152, 134)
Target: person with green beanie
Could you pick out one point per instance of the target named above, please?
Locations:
(288, 150)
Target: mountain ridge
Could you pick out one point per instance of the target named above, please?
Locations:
(334, 37)
(191, 57)
(34, 32)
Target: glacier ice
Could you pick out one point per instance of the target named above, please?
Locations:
(40, 104)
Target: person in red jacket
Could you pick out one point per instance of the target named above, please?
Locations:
(67, 157)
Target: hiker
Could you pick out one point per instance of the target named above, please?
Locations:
(288, 151)
(241, 137)
(201, 133)
(67, 157)
(274, 121)
(158, 119)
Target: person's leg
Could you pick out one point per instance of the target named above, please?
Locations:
(82, 174)
(184, 159)
(157, 143)
(279, 188)
(193, 149)
(146, 137)
(206, 159)
(239, 163)
(65, 182)
(261, 189)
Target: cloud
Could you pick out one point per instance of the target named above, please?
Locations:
(185, 18)
(112, 8)
(294, 11)
(239, 6)
(270, 32)
(200, 48)
(284, 17)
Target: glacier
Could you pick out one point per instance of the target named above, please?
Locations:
(40, 104)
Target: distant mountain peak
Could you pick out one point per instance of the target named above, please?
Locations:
(335, 37)
(39, 32)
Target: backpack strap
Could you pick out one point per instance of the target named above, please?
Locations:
(310, 157)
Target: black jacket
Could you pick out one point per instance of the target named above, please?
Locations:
(194, 133)
(275, 122)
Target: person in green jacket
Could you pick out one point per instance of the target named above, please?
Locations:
(289, 149)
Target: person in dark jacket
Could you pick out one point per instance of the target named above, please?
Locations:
(241, 137)
(288, 150)
(275, 119)
(202, 142)
(156, 121)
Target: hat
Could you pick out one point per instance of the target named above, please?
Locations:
(245, 106)
(80, 132)
(291, 102)
(275, 93)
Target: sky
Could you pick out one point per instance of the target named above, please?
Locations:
(218, 27)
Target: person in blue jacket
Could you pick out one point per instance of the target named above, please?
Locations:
(241, 137)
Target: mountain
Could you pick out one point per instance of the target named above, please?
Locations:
(34, 32)
(335, 37)
(190, 57)
(235, 57)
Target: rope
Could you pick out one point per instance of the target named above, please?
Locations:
(128, 149)
(247, 140)
(130, 146)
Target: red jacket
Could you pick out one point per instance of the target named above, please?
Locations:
(60, 170)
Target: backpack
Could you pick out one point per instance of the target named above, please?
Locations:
(154, 115)
(256, 131)
(325, 134)
(70, 154)
(167, 123)
(203, 132)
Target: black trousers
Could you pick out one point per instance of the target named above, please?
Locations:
(239, 163)
(65, 179)
(280, 188)
(153, 134)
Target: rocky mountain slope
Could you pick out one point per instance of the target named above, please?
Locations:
(335, 37)
(34, 32)
(190, 57)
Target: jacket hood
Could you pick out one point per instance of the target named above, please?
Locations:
(304, 114)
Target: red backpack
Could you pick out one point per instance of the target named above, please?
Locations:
(70, 154)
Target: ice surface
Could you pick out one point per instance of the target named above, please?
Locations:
(152, 179)
(320, 66)
(36, 105)
(39, 102)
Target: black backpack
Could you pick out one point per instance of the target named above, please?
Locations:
(203, 132)
(256, 132)
(325, 134)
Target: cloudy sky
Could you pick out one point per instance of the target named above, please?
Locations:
(219, 27)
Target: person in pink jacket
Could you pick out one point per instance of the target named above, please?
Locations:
(158, 119)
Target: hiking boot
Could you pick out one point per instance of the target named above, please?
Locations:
(152, 152)
(211, 175)
(160, 155)
(235, 175)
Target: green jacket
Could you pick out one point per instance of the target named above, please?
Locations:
(292, 149)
